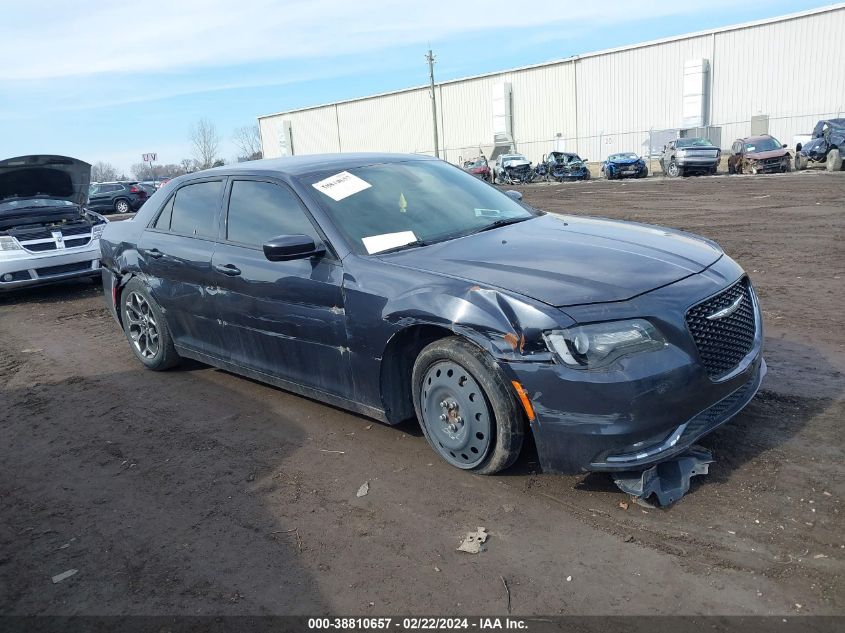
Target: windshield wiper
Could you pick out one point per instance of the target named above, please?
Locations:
(402, 247)
(503, 222)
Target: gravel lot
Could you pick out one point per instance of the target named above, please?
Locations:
(198, 492)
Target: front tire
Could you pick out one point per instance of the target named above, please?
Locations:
(834, 160)
(465, 407)
(674, 170)
(145, 328)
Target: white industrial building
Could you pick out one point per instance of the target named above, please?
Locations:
(776, 76)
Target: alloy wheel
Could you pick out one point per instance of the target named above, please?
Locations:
(143, 327)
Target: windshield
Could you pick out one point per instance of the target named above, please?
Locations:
(28, 203)
(386, 206)
(763, 145)
(511, 157)
(478, 162)
(625, 156)
(563, 159)
(692, 142)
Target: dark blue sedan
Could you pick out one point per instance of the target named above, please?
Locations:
(624, 165)
(401, 287)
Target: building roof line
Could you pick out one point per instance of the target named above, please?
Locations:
(574, 58)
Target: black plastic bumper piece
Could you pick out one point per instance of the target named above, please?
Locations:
(669, 480)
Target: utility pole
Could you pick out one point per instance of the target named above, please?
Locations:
(430, 59)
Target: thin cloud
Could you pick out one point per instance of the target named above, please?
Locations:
(163, 36)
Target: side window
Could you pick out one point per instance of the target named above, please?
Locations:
(163, 221)
(195, 209)
(260, 211)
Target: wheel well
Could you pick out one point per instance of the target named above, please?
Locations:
(397, 363)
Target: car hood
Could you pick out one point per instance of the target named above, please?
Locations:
(772, 153)
(45, 176)
(515, 163)
(563, 260)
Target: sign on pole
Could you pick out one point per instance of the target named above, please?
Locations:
(149, 158)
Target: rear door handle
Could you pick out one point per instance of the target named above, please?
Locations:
(228, 269)
(154, 253)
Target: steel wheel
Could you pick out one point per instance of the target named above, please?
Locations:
(456, 414)
(142, 327)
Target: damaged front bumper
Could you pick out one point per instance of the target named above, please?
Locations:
(650, 407)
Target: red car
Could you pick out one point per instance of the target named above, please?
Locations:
(479, 168)
(759, 155)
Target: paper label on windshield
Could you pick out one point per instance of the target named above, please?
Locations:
(378, 243)
(341, 185)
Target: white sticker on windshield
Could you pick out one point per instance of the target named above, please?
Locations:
(341, 185)
(378, 243)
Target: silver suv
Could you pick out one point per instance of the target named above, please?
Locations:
(46, 235)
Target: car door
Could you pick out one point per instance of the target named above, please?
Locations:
(99, 197)
(283, 318)
(175, 253)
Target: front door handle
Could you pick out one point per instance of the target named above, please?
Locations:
(228, 269)
(154, 253)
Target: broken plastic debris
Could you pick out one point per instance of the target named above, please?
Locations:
(364, 489)
(64, 576)
(474, 541)
(668, 480)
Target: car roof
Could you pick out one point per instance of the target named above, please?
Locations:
(309, 163)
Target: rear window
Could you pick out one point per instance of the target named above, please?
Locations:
(195, 209)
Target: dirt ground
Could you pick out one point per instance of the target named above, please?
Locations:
(198, 492)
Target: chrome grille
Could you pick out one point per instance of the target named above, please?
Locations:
(723, 342)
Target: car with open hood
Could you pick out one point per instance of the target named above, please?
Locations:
(825, 145)
(762, 154)
(46, 233)
(563, 167)
(624, 165)
(401, 287)
(512, 169)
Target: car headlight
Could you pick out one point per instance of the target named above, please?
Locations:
(599, 344)
(9, 243)
(97, 231)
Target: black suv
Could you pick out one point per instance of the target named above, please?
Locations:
(116, 197)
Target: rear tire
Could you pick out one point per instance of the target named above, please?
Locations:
(799, 163)
(480, 427)
(145, 328)
(122, 206)
(834, 160)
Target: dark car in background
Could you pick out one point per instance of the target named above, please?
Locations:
(826, 146)
(401, 287)
(116, 197)
(46, 234)
(563, 166)
(479, 168)
(685, 156)
(624, 165)
(762, 154)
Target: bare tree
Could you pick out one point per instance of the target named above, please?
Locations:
(188, 165)
(248, 141)
(103, 172)
(141, 171)
(206, 143)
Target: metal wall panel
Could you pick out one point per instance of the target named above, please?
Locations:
(605, 102)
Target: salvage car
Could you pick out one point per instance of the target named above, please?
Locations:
(512, 169)
(401, 287)
(46, 234)
(563, 166)
(479, 168)
(686, 156)
(624, 165)
(759, 155)
(825, 146)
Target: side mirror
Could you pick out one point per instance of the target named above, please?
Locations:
(510, 193)
(784, 146)
(287, 247)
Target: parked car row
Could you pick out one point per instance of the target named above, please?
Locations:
(680, 157)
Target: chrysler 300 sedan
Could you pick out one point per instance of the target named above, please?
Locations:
(401, 287)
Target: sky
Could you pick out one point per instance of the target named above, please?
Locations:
(107, 81)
